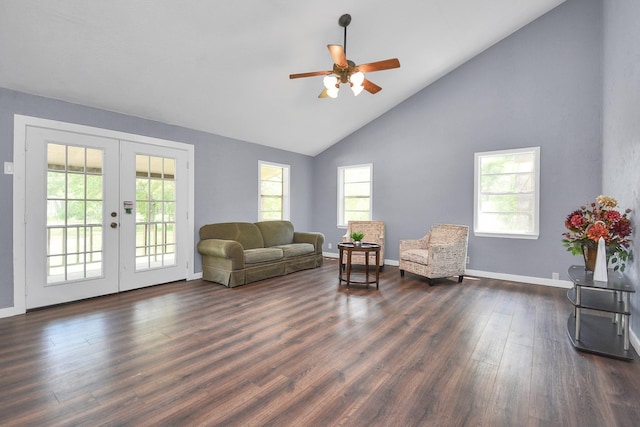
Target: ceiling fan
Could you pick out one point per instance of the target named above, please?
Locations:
(346, 71)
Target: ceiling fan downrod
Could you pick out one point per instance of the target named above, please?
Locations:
(344, 22)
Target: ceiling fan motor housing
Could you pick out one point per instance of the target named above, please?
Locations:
(343, 73)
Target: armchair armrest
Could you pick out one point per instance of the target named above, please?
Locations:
(316, 239)
(450, 251)
(229, 249)
(405, 245)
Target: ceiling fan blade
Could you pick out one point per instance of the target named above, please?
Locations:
(311, 74)
(337, 54)
(371, 87)
(379, 65)
(324, 94)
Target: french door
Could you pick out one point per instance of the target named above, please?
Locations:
(103, 215)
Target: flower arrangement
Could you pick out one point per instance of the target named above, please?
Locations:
(600, 219)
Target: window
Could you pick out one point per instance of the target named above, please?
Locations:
(506, 197)
(355, 184)
(274, 191)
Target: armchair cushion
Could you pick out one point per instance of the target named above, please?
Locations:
(421, 256)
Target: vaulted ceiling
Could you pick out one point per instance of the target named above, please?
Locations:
(223, 67)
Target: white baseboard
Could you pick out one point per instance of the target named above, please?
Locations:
(566, 284)
(491, 275)
(336, 256)
(10, 311)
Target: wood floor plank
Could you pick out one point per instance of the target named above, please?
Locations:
(301, 350)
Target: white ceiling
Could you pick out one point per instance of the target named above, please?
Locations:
(223, 67)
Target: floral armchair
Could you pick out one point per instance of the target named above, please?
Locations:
(373, 233)
(441, 253)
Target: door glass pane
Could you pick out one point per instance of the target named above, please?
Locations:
(74, 213)
(155, 212)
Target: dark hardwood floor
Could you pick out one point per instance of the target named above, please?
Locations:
(301, 351)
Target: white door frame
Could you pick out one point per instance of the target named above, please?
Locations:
(20, 125)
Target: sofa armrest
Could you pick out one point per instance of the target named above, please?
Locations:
(316, 239)
(229, 249)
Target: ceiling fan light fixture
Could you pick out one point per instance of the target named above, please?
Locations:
(357, 78)
(330, 82)
(357, 90)
(332, 92)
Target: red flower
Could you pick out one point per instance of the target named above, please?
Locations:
(613, 216)
(577, 221)
(622, 228)
(598, 230)
(569, 222)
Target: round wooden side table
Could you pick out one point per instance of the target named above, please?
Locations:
(366, 248)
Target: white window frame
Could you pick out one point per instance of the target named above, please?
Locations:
(341, 170)
(532, 234)
(286, 183)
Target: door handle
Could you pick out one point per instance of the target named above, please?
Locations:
(114, 225)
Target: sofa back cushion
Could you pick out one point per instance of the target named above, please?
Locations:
(276, 233)
(246, 233)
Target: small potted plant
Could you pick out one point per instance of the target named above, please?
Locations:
(356, 236)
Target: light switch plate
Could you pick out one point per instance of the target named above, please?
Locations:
(8, 168)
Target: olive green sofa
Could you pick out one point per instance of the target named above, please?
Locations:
(237, 253)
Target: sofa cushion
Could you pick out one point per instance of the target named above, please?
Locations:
(246, 233)
(276, 233)
(254, 256)
(420, 256)
(296, 249)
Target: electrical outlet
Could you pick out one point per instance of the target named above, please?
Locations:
(330, 245)
(555, 276)
(468, 260)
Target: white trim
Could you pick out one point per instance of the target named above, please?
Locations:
(20, 125)
(534, 234)
(566, 284)
(11, 311)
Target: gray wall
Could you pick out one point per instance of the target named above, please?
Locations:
(539, 87)
(226, 170)
(621, 123)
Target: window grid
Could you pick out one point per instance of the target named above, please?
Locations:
(507, 193)
(355, 185)
(155, 212)
(273, 203)
(74, 213)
